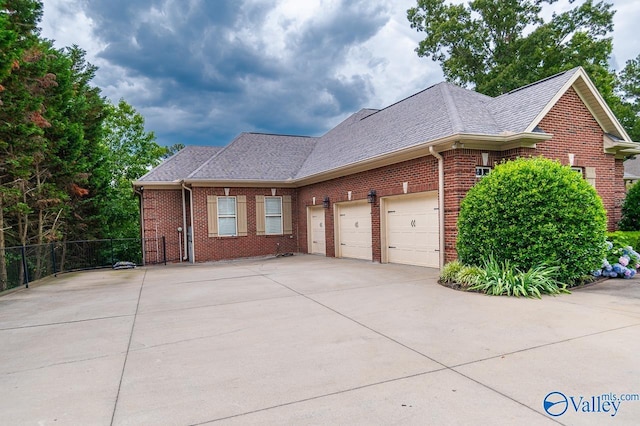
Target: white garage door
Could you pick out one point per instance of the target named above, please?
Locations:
(412, 231)
(317, 244)
(354, 230)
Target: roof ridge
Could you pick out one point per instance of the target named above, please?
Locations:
(539, 81)
(400, 101)
(215, 154)
(278, 134)
(452, 109)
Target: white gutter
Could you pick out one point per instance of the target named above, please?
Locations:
(193, 240)
(141, 224)
(185, 256)
(440, 200)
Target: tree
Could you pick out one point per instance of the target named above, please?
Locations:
(534, 212)
(128, 152)
(173, 149)
(631, 210)
(22, 77)
(627, 109)
(498, 46)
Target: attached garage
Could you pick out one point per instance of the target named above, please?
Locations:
(411, 229)
(353, 226)
(317, 241)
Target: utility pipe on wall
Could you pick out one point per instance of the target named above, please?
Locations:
(184, 227)
(141, 223)
(193, 231)
(440, 200)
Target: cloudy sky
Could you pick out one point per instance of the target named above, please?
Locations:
(202, 71)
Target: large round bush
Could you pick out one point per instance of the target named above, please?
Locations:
(534, 211)
(631, 210)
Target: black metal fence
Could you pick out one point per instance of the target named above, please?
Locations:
(21, 265)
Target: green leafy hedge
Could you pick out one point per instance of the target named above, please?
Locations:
(624, 238)
(631, 210)
(534, 212)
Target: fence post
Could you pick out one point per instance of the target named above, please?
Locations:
(24, 266)
(112, 262)
(53, 258)
(164, 250)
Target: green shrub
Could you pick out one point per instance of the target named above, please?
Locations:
(503, 278)
(469, 276)
(450, 271)
(533, 212)
(631, 210)
(624, 238)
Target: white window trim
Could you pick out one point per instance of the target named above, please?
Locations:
(483, 168)
(266, 215)
(234, 216)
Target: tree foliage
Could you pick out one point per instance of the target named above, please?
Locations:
(497, 46)
(128, 152)
(64, 151)
(631, 210)
(627, 107)
(533, 212)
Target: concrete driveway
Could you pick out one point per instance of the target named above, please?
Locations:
(310, 340)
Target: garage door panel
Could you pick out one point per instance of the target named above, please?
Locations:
(355, 230)
(413, 230)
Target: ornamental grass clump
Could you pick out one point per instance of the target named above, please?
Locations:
(503, 278)
(533, 212)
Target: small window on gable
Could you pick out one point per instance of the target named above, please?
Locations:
(273, 215)
(227, 224)
(482, 171)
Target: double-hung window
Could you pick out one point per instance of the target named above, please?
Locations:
(273, 215)
(227, 217)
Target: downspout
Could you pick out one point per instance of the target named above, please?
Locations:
(141, 223)
(185, 256)
(440, 200)
(193, 231)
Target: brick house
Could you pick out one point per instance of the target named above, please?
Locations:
(384, 185)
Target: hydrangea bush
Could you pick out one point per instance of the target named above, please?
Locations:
(621, 262)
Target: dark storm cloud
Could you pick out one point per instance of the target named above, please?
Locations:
(207, 66)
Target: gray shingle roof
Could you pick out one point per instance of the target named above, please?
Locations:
(632, 168)
(181, 164)
(258, 156)
(515, 111)
(439, 111)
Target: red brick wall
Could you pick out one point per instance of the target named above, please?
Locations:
(162, 211)
(219, 248)
(575, 131)
(421, 173)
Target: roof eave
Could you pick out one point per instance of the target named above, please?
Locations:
(157, 184)
(487, 142)
(240, 183)
(621, 149)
